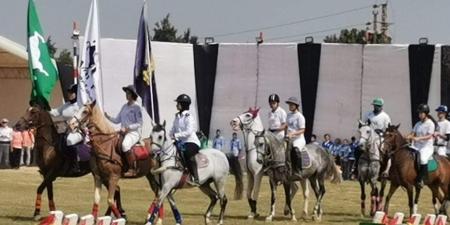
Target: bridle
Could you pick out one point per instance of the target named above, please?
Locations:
(247, 130)
(267, 153)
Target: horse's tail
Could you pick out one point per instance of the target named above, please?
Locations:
(235, 168)
(333, 172)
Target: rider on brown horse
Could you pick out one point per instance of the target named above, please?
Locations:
(130, 119)
(183, 131)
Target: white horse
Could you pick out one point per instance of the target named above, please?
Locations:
(212, 168)
(250, 124)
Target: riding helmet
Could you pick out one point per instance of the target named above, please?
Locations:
(442, 108)
(423, 108)
(183, 98)
(274, 98)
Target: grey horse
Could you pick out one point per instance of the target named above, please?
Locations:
(369, 166)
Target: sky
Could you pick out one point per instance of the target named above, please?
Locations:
(227, 20)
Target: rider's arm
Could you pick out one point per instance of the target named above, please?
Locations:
(115, 119)
(56, 112)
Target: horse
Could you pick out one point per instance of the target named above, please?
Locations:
(109, 165)
(271, 154)
(369, 167)
(213, 168)
(403, 172)
(50, 158)
(322, 165)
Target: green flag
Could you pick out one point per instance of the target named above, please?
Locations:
(43, 70)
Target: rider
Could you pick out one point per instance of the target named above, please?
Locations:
(422, 137)
(379, 121)
(296, 129)
(64, 113)
(130, 119)
(277, 117)
(443, 135)
(183, 131)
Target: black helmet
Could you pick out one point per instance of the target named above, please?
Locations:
(423, 108)
(274, 98)
(183, 98)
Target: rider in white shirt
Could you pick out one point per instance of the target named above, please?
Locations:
(130, 119)
(443, 134)
(183, 131)
(277, 117)
(422, 137)
(296, 129)
(379, 120)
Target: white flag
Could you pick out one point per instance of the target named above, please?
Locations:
(89, 87)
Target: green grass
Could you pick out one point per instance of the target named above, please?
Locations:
(341, 203)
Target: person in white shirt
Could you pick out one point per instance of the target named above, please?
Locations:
(379, 120)
(422, 137)
(277, 117)
(295, 129)
(443, 134)
(65, 113)
(130, 119)
(5, 142)
(183, 131)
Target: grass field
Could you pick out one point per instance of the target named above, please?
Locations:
(17, 194)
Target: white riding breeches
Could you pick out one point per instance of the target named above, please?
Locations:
(129, 140)
(299, 143)
(74, 138)
(441, 150)
(425, 154)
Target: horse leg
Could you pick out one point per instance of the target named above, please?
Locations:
(165, 191)
(391, 192)
(363, 198)
(373, 197)
(381, 194)
(250, 190)
(113, 180)
(322, 191)
(51, 203)
(443, 208)
(416, 200)
(220, 187)
(287, 192)
(293, 190)
(258, 178)
(434, 198)
(410, 192)
(38, 203)
(175, 211)
(316, 189)
(305, 189)
(273, 189)
(155, 188)
(207, 190)
(97, 196)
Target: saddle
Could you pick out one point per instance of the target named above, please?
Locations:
(300, 158)
(433, 163)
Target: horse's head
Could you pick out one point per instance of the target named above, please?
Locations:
(158, 137)
(365, 135)
(82, 116)
(245, 120)
(33, 118)
(262, 148)
(392, 138)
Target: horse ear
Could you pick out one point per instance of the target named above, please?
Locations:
(164, 124)
(368, 122)
(396, 127)
(263, 132)
(93, 103)
(360, 123)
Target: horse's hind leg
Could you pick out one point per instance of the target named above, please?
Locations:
(220, 187)
(294, 188)
(206, 189)
(51, 202)
(322, 191)
(381, 194)
(175, 211)
(305, 189)
(391, 192)
(38, 203)
(287, 192)
(363, 197)
(155, 188)
(113, 180)
(97, 196)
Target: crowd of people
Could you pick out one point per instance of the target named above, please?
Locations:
(16, 146)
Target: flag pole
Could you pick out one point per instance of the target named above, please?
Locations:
(76, 44)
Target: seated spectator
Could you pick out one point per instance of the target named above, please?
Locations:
(314, 139)
(327, 144)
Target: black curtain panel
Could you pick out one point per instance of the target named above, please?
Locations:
(205, 64)
(65, 78)
(420, 67)
(309, 63)
(445, 75)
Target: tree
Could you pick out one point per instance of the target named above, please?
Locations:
(51, 47)
(165, 31)
(65, 58)
(355, 36)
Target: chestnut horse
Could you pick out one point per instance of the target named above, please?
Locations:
(50, 158)
(403, 172)
(110, 165)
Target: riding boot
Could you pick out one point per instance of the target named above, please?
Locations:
(298, 160)
(423, 172)
(131, 164)
(193, 170)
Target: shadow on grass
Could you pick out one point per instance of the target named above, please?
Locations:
(18, 218)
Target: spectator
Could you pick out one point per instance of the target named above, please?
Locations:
(327, 144)
(5, 142)
(219, 141)
(16, 147)
(351, 157)
(356, 153)
(335, 148)
(28, 142)
(344, 153)
(235, 149)
(314, 139)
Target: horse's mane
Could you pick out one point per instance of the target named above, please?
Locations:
(100, 121)
(277, 145)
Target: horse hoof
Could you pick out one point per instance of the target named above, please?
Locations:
(148, 223)
(37, 217)
(159, 222)
(294, 219)
(286, 212)
(269, 219)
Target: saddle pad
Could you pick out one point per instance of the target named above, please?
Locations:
(84, 152)
(140, 152)
(306, 161)
(202, 160)
(432, 165)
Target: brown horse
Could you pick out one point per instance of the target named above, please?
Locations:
(110, 164)
(403, 172)
(51, 160)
